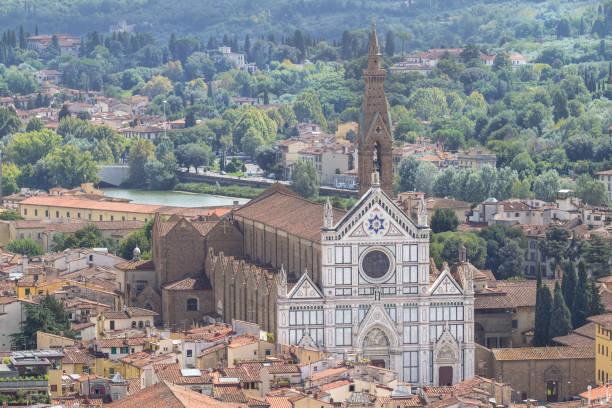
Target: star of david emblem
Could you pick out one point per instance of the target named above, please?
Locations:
(376, 224)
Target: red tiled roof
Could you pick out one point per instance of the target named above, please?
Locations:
(278, 206)
(328, 372)
(171, 372)
(70, 202)
(199, 283)
(544, 353)
(170, 396)
(334, 384)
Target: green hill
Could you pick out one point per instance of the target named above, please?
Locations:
(432, 22)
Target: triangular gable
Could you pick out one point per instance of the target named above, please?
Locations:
(352, 222)
(377, 123)
(378, 316)
(305, 289)
(445, 285)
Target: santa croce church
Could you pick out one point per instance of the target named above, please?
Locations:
(356, 283)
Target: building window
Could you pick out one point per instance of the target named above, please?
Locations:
(392, 312)
(343, 276)
(316, 334)
(57, 214)
(411, 366)
(192, 305)
(35, 212)
(363, 311)
(46, 213)
(189, 353)
(133, 324)
(343, 336)
(112, 218)
(305, 317)
(343, 316)
(25, 211)
(411, 334)
(79, 215)
(410, 274)
(410, 253)
(113, 350)
(445, 313)
(67, 214)
(343, 255)
(411, 314)
(100, 217)
(514, 323)
(112, 325)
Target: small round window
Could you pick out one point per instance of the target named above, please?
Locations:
(375, 264)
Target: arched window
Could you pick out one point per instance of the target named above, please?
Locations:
(192, 305)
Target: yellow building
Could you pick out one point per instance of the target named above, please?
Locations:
(603, 348)
(25, 289)
(57, 207)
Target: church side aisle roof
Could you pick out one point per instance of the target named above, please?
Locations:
(281, 207)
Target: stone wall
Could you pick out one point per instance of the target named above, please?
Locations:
(174, 307)
(271, 246)
(242, 291)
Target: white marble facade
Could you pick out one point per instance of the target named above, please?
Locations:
(377, 300)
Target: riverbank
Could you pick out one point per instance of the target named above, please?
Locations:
(228, 191)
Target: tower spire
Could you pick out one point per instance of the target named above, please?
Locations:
(374, 47)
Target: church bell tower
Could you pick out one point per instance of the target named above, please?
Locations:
(374, 142)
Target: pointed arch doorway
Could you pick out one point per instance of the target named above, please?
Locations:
(376, 348)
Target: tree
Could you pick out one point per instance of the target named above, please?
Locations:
(89, 236)
(559, 104)
(580, 307)
(595, 305)
(546, 186)
(512, 256)
(28, 148)
(591, 191)
(500, 251)
(502, 62)
(598, 254)
(556, 243)
(137, 157)
(304, 179)
(445, 183)
(10, 174)
(523, 165)
(544, 305)
(140, 238)
(161, 174)
(190, 119)
(308, 108)
(266, 157)
(35, 125)
(428, 103)
(194, 155)
(560, 316)
(444, 219)
(9, 215)
(445, 247)
(48, 317)
(157, 85)
(390, 44)
(63, 113)
(9, 122)
(425, 177)
(25, 246)
(407, 174)
(568, 284)
(69, 167)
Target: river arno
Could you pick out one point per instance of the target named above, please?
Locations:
(172, 198)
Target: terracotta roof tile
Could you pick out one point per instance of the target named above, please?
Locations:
(70, 202)
(121, 342)
(328, 372)
(171, 372)
(229, 393)
(199, 283)
(334, 384)
(278, 207)
(170, 396)
(544, 353)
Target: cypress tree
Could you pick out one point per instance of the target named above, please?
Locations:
(595, 306)
(542, 314)
(580, 307)
(568, 285)
(560, 318)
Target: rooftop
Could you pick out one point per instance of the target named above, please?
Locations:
(544, 353)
